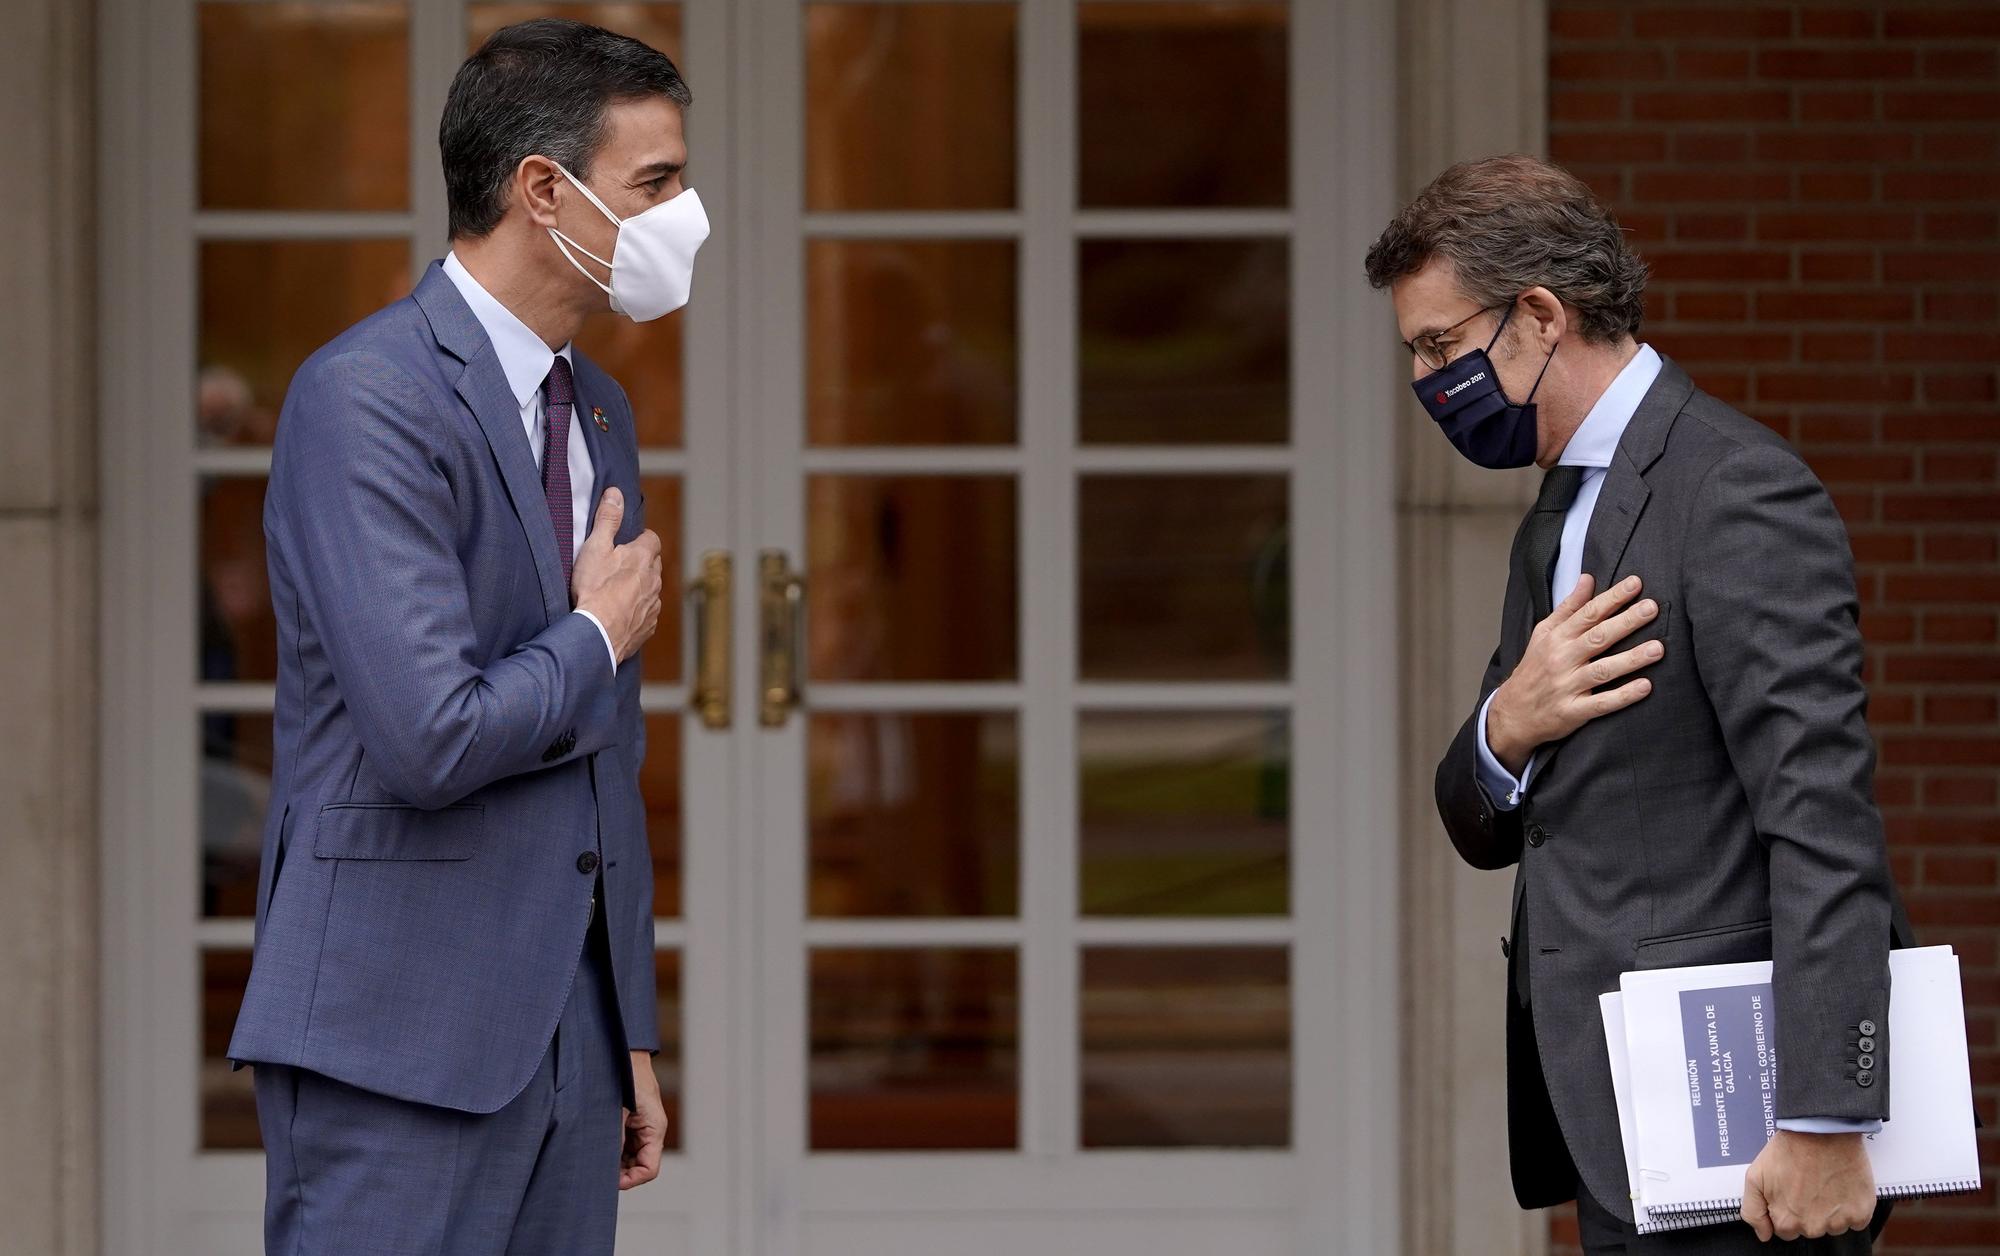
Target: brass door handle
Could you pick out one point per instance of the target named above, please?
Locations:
(781, 602)
(708, 597)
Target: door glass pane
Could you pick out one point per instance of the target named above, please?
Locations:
(914, 815)
(1185, 813)
(912, 577)
(660, 657)
(305, 106)
(909, 106)
(910, 342)
(1186, 1047)
(667, 1064)
(228, 1104)
(660, 786)
(1152, 133)
(914, 1049)
(266, 305)
(235, 794)
(1184, 341)
(239, 634)
(658, 26)
(1183, 577)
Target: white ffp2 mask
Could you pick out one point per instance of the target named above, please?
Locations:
(652, 258)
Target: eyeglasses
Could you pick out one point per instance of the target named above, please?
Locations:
(1427, 347)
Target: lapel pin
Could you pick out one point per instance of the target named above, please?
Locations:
(603, 424)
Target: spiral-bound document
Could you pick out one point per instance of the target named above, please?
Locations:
(1694, 1065)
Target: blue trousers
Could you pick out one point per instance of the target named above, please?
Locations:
(349, 1172)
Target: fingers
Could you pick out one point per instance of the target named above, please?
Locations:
(1597, 705)
(1610, 668)
(1755, 1211)
(1599, 608)
(610, 514)
(1576, 599)
(1618, 627)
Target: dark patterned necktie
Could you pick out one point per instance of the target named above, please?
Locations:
(1541, 538)
(559, 398)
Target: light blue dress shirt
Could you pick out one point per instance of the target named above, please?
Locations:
(1592, 448)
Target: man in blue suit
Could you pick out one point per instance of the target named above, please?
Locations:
(452, 996)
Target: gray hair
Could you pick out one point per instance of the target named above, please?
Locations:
(1508, 224)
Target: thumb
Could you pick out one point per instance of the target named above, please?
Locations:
(610, 513)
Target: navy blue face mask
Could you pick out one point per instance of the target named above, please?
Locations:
(1465, 398)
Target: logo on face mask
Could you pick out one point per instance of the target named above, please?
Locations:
(1465, 398)
(1458, 388)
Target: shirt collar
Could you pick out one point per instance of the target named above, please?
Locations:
(1597, 439)
(524, 357)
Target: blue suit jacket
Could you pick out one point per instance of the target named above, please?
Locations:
(450, 739)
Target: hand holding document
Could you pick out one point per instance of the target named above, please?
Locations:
(1694, 1068)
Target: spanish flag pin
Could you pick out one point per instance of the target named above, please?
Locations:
(603, 424)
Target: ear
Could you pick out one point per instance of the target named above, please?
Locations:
(536, 181)
(1548, 318)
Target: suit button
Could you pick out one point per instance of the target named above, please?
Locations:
(1506, 951)
(1865, 1061)
(1867, 1028)
(1866, 1044)
(1537, 835)
(587, 862)
(1864, 1078)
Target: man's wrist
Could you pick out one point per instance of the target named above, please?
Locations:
(1501, 739)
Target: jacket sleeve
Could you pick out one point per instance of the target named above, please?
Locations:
(1485, 835)
(363, 514)
(1769, 587)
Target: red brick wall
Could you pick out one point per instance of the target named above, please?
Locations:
(1817, 189)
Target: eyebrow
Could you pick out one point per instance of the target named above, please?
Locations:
(657, 170)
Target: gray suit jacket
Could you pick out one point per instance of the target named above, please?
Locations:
(1728, 816)
(455, 756)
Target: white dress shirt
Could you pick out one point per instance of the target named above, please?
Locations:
(1592, 448)
(525, 359)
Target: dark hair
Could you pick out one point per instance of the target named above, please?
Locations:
(538, 87)
(1508, 224)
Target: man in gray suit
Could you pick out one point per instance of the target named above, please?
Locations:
(1670, 741)
(452, 995)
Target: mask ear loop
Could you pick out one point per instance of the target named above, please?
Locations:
(564, 243)
(1544, 371)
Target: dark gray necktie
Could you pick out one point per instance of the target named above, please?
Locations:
(1541, 536)
(1534, 566)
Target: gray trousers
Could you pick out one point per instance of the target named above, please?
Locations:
(1603, 1234)
(349, 1172)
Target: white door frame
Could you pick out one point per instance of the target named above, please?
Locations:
(1337, 1190)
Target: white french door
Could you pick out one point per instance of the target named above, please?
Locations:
(1029, 880)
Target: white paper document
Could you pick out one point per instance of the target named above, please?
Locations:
(1694, 1068)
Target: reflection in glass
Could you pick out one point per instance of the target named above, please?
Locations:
(656, 25)
(266, 305)
(660, 786)
(1186, 1047)
(1183, 577)
(910, 342)
(667, 1064)
(1145, 139)
(909, 106)
(228, 1104)
(914, 1049)
(239, 633)
(914, 815)
(1184, 813)
(305, 106)
(913, 577)
(660, 657)
(1183, 341)
(235, 795)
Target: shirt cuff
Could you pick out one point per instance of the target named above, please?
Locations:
(1501, 785)
(1829, 1125)
(614, 653)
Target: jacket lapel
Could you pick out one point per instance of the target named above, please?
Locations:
(482, 385)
